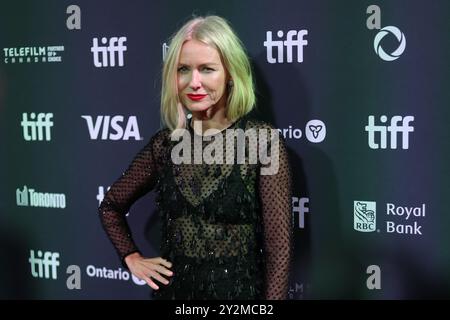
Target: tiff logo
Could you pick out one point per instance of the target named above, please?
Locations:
(111, 128)
(45, 264)
(101, 194)
(100, 53)
(38, 127)
(300, 207)
(381, 131)
(165, 49)
(293, 39)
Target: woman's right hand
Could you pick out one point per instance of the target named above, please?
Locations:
(147, 268)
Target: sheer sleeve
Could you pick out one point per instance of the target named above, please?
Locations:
(138, 179)
(276, 199)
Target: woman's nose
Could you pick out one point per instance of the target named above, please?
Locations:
(195, 80)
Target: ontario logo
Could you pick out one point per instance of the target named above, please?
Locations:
(364, 216)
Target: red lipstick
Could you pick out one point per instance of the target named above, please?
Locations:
(196, 97)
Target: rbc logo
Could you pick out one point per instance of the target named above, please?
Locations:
(45, 265)
(364, 216)
(100, 53)
(107, 123)
(294, 39)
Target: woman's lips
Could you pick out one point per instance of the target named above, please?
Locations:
(196, 97)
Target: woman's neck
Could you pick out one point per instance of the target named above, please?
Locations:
(212, 118)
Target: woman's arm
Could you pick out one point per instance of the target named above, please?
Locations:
(139, 178)
(275, 190)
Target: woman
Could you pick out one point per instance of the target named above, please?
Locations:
(226, 226)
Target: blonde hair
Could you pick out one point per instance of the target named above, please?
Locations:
(216, 32)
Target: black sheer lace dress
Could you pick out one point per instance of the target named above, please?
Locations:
(226, 228)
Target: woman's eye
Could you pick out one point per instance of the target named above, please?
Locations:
(182, 69)
(206, 69)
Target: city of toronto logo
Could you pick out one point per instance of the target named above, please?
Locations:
(236, 146)
(364, 216)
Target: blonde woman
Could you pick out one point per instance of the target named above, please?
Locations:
(222, 179)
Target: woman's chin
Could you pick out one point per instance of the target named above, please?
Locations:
(198, 107)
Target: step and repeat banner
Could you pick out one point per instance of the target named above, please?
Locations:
(359, 89)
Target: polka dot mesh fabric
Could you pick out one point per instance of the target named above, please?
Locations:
(227, 228)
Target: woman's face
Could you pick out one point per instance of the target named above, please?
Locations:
(201, 77)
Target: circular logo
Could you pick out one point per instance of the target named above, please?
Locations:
(401, 47)
(315, 131)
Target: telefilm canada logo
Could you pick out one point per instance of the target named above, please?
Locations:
(297, 290)
(398, 219)
(32, 54)
(374, 22)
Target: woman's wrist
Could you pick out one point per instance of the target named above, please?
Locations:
(131, 257)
